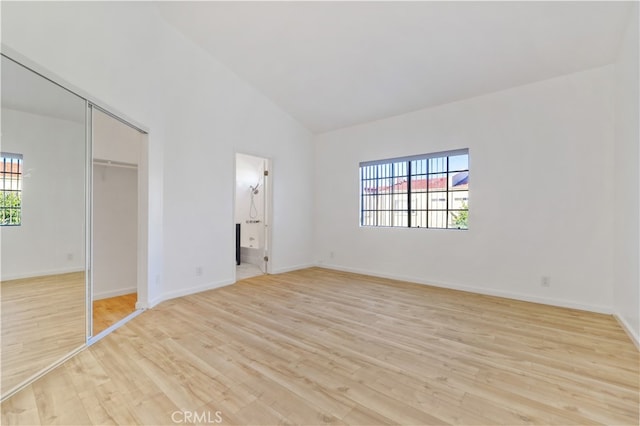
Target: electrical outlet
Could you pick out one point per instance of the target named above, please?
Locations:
(198, 271)
(545, 281)
(331, 254)
(69, 256)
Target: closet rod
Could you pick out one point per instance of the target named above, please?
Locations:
(111, 163)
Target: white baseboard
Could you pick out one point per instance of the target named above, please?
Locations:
(210, 286)
(187, 291)
(478, 290)
(142, 305)
(635, 338)
(114, 293)
(41, 273)
(293, 268)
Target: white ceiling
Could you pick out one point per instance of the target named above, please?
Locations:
(336, 64)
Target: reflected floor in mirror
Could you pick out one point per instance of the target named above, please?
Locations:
(107, 312)
(43, 319)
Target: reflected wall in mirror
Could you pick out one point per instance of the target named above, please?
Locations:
(43, 232)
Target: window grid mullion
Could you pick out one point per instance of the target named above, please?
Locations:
(408, 194)
(361, 196)
(386, 179)
(428, 196)
(11, 187)
(377, 194)
(446, 198)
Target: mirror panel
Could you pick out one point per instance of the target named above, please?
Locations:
(43, 233)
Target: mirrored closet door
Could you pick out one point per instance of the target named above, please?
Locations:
(43, 218)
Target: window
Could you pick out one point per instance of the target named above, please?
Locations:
(421, 191)
(10, 189)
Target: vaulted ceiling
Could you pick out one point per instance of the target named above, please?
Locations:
(336, 64)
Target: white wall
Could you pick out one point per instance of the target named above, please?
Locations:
(555, 135)
(540, 202)
(198, 113)
(626, 180)
(51, 237)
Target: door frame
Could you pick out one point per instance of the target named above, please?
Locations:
(142, 281)
(268, 208)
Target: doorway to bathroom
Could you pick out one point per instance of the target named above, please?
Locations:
(252, 202)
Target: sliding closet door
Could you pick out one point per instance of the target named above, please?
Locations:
(43, 230)
(115, 194)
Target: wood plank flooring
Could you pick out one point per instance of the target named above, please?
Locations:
(325, 347)
(109, 311)
(43, 319)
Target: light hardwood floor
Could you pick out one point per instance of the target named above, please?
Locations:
(43, 319)
(318, 346)
(109, 311)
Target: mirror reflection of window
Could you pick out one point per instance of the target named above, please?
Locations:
(10, 189)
